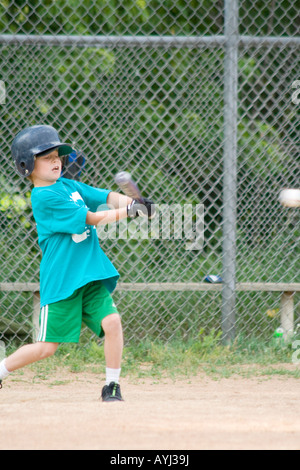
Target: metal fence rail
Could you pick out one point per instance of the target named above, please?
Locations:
(198, 105)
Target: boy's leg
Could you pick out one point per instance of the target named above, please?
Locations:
(113, 349)
(28, 354)
(59, 322)
(100, 314)
(113, 340)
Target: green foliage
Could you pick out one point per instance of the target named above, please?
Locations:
(19, 251)
(143, 17)
(13, 205)
(178, 359)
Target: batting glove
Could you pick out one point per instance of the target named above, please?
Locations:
(144, 208)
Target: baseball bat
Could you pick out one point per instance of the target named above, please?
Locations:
(128, 186)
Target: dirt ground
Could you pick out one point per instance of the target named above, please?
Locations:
(198, 413)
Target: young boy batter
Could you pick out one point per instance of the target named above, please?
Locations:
(76, 277)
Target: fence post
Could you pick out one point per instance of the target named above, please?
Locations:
(230, 171)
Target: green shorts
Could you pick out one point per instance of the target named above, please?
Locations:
(61, 321)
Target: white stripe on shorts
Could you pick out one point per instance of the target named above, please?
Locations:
(44, 321)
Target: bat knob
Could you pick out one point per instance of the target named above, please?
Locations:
(122, 177)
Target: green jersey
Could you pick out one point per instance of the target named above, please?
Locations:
(71, 253)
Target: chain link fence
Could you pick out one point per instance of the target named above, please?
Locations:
(141, 86)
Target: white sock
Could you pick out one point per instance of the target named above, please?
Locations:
(112, 375)
(3, 371)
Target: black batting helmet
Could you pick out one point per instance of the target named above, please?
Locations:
(35, 141)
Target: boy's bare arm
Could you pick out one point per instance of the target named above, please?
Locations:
(118, 200)
(106, 217)
(118, 203)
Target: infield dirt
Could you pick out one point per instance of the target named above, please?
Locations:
(65, 412)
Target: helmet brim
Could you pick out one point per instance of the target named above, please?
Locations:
(63, 149)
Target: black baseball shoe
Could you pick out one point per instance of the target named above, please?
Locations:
(111, 392)
(0, 384)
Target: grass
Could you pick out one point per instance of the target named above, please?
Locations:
(178, 359)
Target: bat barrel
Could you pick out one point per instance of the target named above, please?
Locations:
(128, 186)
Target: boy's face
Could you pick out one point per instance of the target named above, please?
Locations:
(47, 169)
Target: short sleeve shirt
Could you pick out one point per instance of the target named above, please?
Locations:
(71, 252)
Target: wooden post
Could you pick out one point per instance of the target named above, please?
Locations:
(35, 315)
(287, 314)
